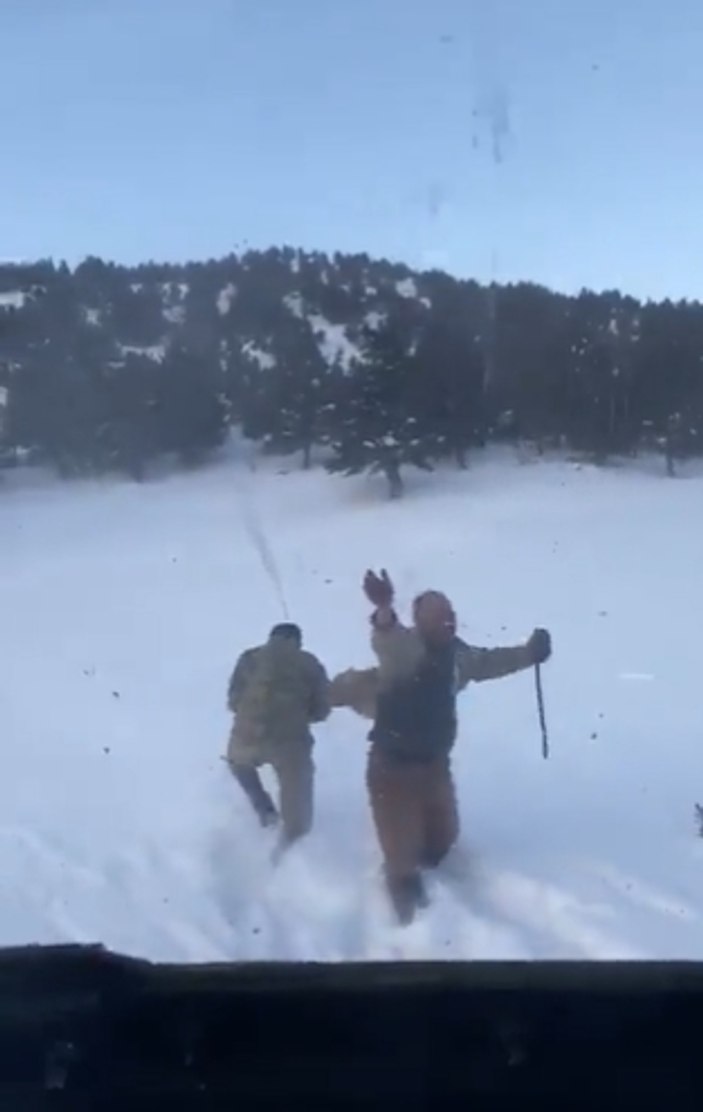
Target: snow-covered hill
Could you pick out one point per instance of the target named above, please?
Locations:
(243, 302)
(123, 608)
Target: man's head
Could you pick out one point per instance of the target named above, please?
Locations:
(434, 616)
(287, 631)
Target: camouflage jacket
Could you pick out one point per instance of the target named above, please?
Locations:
(411, 694)
(276, 692)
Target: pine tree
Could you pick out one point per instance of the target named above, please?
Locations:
(132, 433)
(605, 335)
(448, 367)
(300, 389)
(283, 395)
(379, 426)
(192, 407)
(533, 357)
(74, 412)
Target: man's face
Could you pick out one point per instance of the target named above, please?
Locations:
(435, 619)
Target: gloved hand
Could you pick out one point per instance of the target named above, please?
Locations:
(540, 646)
(378, 588)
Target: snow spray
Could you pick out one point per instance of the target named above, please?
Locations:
(263, 549)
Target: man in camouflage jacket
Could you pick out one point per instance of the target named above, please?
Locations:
(276, 692)
(411, 697)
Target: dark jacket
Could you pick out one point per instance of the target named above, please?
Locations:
(415, 717)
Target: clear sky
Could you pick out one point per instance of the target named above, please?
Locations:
(553, 140)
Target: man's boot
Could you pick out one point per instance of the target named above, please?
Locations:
(408, 895)
(268, 815)
(249, 780)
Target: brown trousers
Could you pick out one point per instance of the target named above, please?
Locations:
(295, 772)
(414, 811)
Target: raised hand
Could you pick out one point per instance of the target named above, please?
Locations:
(378, 588)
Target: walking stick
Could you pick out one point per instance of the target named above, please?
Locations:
(540, 708)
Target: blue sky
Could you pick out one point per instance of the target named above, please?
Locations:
(176, 129)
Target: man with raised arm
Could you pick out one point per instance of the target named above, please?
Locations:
(411, 696)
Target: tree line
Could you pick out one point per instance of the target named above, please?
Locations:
(106, 367)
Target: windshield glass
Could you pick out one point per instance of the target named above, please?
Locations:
(351, 417)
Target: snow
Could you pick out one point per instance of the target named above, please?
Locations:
(92, 316)
(224, 355)
(407, 287)
(175, 289)
(125, 606)
(151, 351)
(374, 319)
(225, 298)
(334, 344)
(294, 302)
(175, 293)
(13, 299)
(264, 358)
(176, 314)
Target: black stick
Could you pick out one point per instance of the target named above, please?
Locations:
(540, 708)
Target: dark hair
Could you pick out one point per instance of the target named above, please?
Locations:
(289, 631)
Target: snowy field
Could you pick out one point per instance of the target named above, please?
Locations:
(123, 609)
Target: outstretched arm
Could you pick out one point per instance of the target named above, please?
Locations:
(476, 665)
(357, 689)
